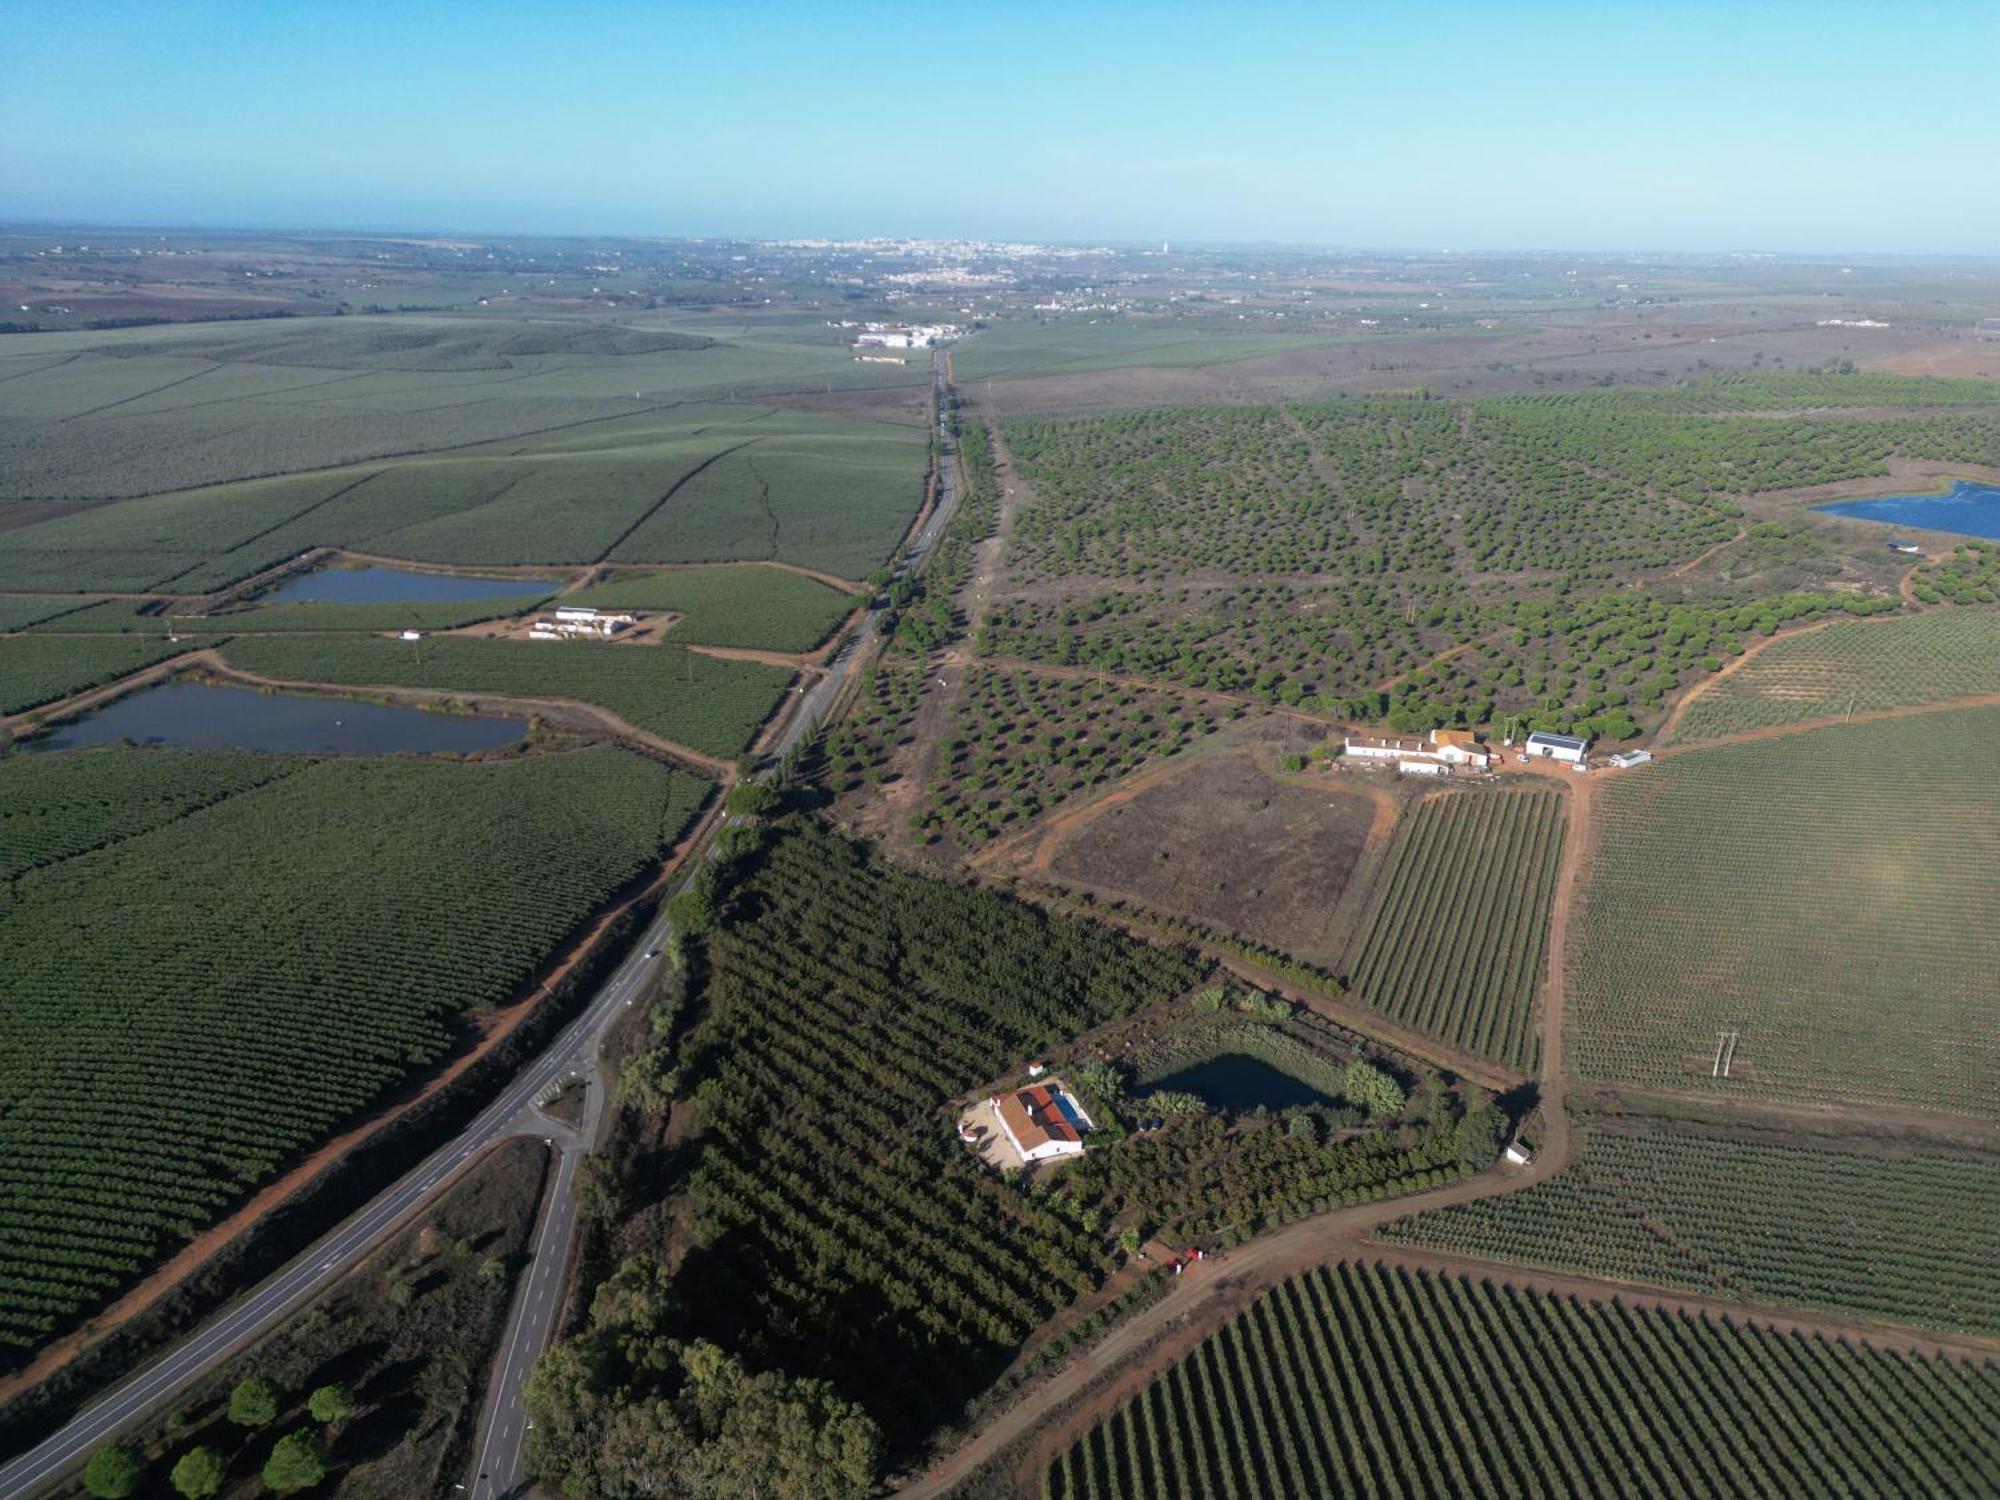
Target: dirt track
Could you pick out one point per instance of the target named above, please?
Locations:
(603, 718)
(1209, 1294)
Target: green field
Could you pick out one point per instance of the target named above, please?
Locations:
(1074, 346)
(1826, 897)
(1852, 667)
(39, 669)
(833, 1225)
(1897, 1233)
(693, 483)
(124, 617)
(145, 410)
(214, 959)
(1452, 943)
(1363, 1380)
(19, 611)
(711, 706)
(766, 608)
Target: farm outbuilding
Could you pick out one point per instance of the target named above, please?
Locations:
(1567, 748)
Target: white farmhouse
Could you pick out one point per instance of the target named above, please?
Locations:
(1435, 755)
(1043, 1122)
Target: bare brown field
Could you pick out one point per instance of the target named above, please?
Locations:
(1656, 347)
(1230, 842)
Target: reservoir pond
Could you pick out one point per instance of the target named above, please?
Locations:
(1967, 508)
(209, 717)
(1237, 1082)
(372, 585)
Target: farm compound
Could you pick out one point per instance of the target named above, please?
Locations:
(1443, 751)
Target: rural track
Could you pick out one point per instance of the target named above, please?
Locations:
(1212, 1292)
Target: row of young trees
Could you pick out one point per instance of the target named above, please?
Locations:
(297, 1461)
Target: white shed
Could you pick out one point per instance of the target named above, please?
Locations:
(1567, 748)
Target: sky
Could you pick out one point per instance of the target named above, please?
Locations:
(1505, 124)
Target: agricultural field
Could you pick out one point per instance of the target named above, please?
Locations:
(408, 1338)
(1880, 1231)
(820, 491)
(1596, 666)
(19, 611)
(709, 705)
(59, 806)
(39, 669)
(1453, 940)
(1365, 1379)
(1023, 742)
(693, 483)
(826, 1222)
(765, 608)
(1850, 667)
(125, 617)
(1073, 346)
(1592, 492)
(135, 412)
(1816, 897)
(207, 985)
(1227, 841)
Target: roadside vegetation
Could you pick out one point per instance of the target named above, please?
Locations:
(372, 1390)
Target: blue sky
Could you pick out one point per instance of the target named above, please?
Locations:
(1505, 124)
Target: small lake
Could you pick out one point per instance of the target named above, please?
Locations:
(1969, 509)
(211, 717)
(372, 585)
(1236, 1082)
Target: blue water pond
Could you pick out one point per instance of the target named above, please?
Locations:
(1969, 509)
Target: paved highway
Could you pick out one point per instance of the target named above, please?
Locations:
(503, 1426)
(531, 1325)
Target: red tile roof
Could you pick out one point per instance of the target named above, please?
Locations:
(1035, 1118)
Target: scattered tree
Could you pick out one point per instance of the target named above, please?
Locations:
(114, 1471)
(254, 1402)
(297, 1462)
(331, 1403)
(200, 1473)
